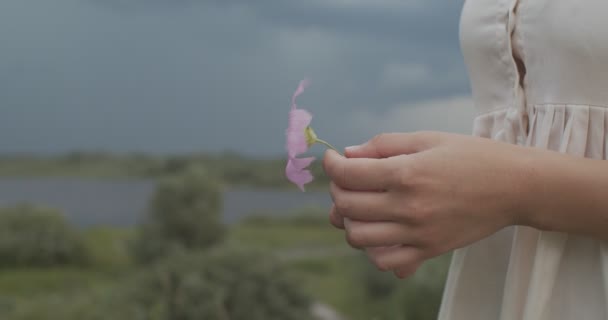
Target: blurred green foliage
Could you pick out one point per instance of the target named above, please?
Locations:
(230, 168)
(268, 266)
(36, 236)
(108, 248)
(377, 285)
(112, 288)
(306, 216)
(340, 276)
(420, 296)
(226, 284)
(290, 232)
(185, 214)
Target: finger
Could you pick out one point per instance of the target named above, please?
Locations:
(376, 234)
(335, 218)
(392, 144)
(395, 258)
(363, 205)
(360, 174)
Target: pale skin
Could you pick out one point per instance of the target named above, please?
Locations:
(409, 197)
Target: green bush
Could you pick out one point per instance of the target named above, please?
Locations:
(38, 237)
(221, 285)
(185, 214)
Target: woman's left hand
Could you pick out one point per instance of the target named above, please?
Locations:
(412, 196)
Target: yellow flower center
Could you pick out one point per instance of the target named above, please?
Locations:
(311, 136)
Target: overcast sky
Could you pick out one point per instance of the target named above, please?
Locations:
(214, 75)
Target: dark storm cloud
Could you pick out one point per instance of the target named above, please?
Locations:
(431, 22)
(165, 76)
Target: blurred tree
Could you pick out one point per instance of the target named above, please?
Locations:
(36, 236)
(185, 214)
(188, 207)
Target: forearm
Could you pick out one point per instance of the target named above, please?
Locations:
(566, 194)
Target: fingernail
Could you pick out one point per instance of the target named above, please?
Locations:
(352, 148)
(346, 223)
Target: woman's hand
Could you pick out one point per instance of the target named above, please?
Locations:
(413, 196)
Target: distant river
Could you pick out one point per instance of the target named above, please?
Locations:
(123, 202)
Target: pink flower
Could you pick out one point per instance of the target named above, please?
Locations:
(299, 139)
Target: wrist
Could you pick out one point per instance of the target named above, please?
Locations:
(552, 191)
(528, 185)
(550, 182)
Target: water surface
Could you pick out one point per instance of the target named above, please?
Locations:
(123, 202)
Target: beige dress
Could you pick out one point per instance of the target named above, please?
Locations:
(539, 76)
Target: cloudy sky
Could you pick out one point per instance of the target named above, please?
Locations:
(214, 75)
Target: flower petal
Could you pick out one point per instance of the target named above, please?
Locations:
(299, 120)
(296, 171)
(303, 84)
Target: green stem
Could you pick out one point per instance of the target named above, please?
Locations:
(327, 144)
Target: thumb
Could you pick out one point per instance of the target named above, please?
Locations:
(388, 145)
